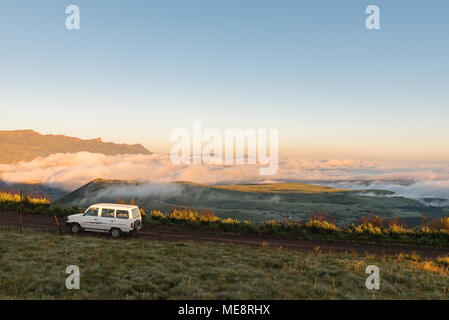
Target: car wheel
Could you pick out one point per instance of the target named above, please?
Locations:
(75, 228)
(116, 233)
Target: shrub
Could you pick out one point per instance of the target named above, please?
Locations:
(321, 222)
(369, 229)
(321, 225)
(425, 230)
(157, 214)
(230, 221)
(443, 261)
(187, 214)
(441, 224)
(321, 217)
(370, 219)
(398, 229)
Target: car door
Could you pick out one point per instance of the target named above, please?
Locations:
(90, 218)
(107, 219)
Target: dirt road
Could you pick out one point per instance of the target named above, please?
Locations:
(45, 223)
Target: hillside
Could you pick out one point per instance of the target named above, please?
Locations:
(25, 145)
(236, 202)
(291, 187)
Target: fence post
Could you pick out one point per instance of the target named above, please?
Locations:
(20, 210)
(57, 223)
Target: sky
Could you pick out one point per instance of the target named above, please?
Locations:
(137, 70)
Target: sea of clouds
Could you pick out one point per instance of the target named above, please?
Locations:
(70, 171)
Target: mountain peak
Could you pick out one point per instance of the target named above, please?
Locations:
(19, 132)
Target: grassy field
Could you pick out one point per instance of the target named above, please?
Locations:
(33, 267)
(279, 188)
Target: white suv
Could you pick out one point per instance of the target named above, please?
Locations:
(107, 217)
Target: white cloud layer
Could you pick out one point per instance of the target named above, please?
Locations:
(71, 171)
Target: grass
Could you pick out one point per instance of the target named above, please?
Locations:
(33, 267)
(291, 187)
(288, 187)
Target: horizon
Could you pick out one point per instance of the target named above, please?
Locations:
(99, 138)
(69, 170)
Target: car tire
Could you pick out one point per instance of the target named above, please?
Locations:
(75, 228)
(116, 233)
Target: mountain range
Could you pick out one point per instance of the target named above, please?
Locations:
(26, 145)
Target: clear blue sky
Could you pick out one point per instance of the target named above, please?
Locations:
(138, 69)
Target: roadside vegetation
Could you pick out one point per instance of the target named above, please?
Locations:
(34, 263)
(16, 198)
(12, 202)
(434, 232)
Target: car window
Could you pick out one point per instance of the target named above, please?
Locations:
(107, 213)
(122, 214)
(92, 212)
(136, 213)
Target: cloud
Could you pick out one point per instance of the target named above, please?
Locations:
(433, 191)
(70, 171)
(140, 191)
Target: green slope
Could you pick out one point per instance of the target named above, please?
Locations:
(291, 187)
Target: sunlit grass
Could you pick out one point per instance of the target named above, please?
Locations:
(33, 267)
(10, 201)
(292, 187)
